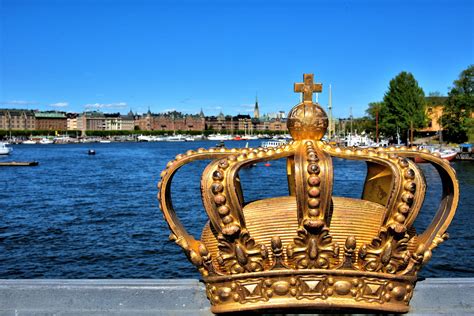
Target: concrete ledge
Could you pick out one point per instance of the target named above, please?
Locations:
(179, 297)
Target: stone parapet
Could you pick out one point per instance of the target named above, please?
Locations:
(180, 297)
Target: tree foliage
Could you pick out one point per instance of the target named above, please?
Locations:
(456, 119)
(403, 106)
(378, 109)
(360, 125)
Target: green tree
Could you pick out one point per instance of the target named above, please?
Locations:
(405, 106)
(456, 120)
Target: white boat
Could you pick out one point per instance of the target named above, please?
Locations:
(250, 137)
(29, 142)
(4, 150)
(144, 138)
(219, 137)
(104, 141)
(45, 141)
(198, 137)
(363, 140)
(273, 143)
(150, 138)
(175, 138)
(448, 154)
(64, 140)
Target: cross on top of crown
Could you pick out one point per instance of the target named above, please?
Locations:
(307, 87)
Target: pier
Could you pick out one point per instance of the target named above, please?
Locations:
(19, 163)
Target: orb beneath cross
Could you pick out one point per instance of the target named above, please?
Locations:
(307, 120)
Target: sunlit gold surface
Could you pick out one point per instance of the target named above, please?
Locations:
(365, 218)
(307, 120)
(311, 249)
(308, 87)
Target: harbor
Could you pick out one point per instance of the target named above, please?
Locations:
(96, 216)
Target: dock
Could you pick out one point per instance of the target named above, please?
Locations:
(18, 163)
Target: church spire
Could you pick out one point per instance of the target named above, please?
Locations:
(256, 111)
(201, 114)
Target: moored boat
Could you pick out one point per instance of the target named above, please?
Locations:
(273, 143)
(45, 141)
(4, 150)
(219, 137)
(447, 154)
(466, 152)
(150, 138)
(29, 142)
(175, 138)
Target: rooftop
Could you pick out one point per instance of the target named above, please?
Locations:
(50, 115)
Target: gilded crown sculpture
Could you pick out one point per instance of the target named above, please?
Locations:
(310, 249)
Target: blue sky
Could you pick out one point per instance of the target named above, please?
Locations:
(184, 55)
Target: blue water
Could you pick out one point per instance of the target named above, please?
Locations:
(81, 216)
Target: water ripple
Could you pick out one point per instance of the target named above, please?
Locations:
(80, 216)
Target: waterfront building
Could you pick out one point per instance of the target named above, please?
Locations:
(171, 121)
(50, 120)
(275, 121)
(3, 120)
(434, 112)
(244, 123)
(280, 115)
(145, 122)
(231, 124)
(17, 119)
(119, 122)
(128, 121)
(277, 124)
(113, 122)
(91, 121)
(72, 121)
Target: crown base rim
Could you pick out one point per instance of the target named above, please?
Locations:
(310, 289)
(305, 307)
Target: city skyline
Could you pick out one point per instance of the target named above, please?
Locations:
(116, 56)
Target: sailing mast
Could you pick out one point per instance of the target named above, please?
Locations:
(331, 132)
(350, 113)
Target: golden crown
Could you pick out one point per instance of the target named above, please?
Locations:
(311, 249)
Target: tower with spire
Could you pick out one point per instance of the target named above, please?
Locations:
(256, 111)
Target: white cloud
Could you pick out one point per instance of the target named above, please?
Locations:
(118, 105)
(60, 104)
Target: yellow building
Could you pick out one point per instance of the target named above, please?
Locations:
(434, 112)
